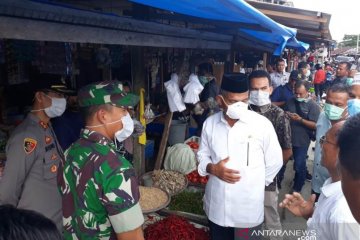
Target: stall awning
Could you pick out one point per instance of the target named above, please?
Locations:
(298, 45)
(44, 21)
(254, 24)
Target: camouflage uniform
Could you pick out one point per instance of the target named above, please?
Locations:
(99, 186)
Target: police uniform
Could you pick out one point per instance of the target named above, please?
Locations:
(32, 159)
(98, 185)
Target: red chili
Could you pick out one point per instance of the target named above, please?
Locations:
(175, 228)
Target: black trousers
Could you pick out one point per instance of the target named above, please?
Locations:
(229, 233)
(319, 89)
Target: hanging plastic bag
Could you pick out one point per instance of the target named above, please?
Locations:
(149, 114)
(193, 90)
(174, 96)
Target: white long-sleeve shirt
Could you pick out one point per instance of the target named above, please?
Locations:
(253, 149)
(332, 218)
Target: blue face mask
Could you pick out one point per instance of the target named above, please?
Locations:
(353, 107)
(333, 112)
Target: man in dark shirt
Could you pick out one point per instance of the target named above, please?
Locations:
(283, 93)
(304, 113)
(342, 73)
(208, 94)
(259, 101)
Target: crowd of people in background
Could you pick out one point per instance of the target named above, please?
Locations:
(270, 117)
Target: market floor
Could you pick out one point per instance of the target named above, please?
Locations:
(290, 221)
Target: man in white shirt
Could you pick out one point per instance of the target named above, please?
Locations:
(240, 152)
(330, 218)
(280, 76)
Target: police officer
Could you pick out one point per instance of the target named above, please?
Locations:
(98, 185)
(33, 155)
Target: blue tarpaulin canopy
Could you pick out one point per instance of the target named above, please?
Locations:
(254, 24)
(298, 45)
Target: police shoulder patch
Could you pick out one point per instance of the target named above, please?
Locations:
(29, 145)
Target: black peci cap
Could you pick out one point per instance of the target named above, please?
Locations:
(235, 83)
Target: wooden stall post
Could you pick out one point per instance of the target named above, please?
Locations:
(138, 73)
(265, 57)
(164, 139)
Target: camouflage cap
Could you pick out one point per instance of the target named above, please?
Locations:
(106, 92)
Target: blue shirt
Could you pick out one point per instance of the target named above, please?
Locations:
(282, 94)
(320, 173)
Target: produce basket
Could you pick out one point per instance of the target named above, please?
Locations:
(196, 180)
(180, 210)
(147, 180)
(161, 206)
(169, 226)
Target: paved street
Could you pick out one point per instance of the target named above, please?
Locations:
(290, 221)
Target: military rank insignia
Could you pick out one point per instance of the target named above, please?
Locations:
(29, 145)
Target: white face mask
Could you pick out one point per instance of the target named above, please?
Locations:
(259, 98)
(308, 73)
(57, 108)
(127, 130)
(236, 110)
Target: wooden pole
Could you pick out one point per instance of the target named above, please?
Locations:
(138, 81)
(163, 144)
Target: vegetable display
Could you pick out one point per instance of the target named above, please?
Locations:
(170, 181)
(190, 202)
(175, 228)
(152, 198)
(194, 177)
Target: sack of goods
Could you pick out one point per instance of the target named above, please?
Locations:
(181, 158)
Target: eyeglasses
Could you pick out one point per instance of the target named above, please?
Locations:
(324, 140)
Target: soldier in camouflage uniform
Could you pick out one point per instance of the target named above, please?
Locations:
(99, 186)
